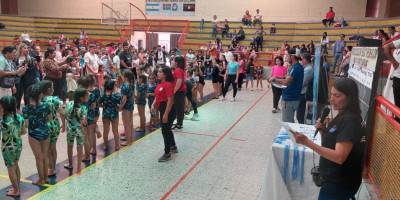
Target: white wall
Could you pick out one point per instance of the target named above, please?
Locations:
(273, 10)
(139, 35)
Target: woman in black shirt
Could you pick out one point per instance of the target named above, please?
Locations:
(215, 77)
(343, 141)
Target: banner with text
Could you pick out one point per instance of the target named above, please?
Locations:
(364, 57)
(170, 7)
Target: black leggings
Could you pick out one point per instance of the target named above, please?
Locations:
(259, 41)
(179, 102)
(166, 131)
(57, 85)
(277, 95)
(240, 81)
(230, 80)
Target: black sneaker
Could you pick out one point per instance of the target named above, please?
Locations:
(173, 127)
(174, 149)
(165, 157)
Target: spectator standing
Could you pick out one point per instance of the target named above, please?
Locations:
(201, 25)
(394, 59)
(190, 56)
(308, 77)
(241, 71)
(277, 71)
(330, 17)
(214, 23)
(338, 51)
(179, 91)
(257, 18)
(294, 82)
(161, 56)
(54, 70)
(311, 47)
(125, 59)
(259, 37)
(9, 69)
(325, 43)
(92, 60)
(105, 59)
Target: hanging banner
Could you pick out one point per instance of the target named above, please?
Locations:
(170, 7)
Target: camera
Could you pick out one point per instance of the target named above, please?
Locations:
(37, 58)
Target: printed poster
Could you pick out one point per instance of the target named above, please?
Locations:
(170, 7)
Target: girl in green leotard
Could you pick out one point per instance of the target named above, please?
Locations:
(12, 126)
(47, 87)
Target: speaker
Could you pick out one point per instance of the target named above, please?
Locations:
(365, 42)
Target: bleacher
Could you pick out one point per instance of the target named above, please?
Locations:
(294, 33)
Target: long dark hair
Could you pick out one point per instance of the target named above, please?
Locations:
(9, 104)
(280, 58)
(78, 95)
(349, 88)
(131, 77)
(180, 62)
(109, 86)
(92, 79)
(34, 92)
(168, 74)
(324, 35)
(49, 51)
(46, 85)
(235, 56)
(84, 82)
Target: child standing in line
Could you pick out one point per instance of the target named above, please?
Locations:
(260, 74)
(12, 126)
(190, 88)
(76, 124)
(93, 113)
(110, 102)
(195, 80)
(84, 83)
(55, 107)
(141, 100)
(127, 92)
(100, 75)
(221, 78)
(201, 25)
(38, 120)
(151, 96)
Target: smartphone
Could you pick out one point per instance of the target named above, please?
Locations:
(37, 58)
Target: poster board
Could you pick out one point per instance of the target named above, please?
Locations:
(170, 7)
(363, 69)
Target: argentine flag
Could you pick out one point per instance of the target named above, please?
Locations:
(152, 7)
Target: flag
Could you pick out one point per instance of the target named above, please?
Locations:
(189, 7)
(152, 7)
(167, 6)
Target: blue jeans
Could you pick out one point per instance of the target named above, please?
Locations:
(338, 58)
(288, 109)
(214, 30)
(334, 191)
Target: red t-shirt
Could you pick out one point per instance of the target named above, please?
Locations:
(179, 74)
(163, 91)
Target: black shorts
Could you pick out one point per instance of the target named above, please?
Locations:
(215, 80)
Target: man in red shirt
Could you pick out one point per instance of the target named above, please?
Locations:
(330, 16)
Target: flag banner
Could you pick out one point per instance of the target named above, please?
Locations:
(170, 7)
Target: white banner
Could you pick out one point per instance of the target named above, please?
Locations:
(361, 74)
(365, 57)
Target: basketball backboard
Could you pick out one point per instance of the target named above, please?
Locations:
(115, 13)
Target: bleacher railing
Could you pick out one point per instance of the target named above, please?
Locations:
(383, 157)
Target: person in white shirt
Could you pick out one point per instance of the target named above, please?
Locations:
(25, 37)
(394, 59)
(59, 53)
(257, 18)
(92, 60)
(392, 32)
(376, 35)
(325, 43)
(228, 55)
(214, 22)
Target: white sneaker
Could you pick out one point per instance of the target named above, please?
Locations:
(233, 99)
(221, 99)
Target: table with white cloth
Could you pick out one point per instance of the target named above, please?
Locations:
(283, 180)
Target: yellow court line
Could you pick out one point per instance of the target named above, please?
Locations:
(24, 180)
(70, 177)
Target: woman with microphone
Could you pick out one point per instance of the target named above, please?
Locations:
(343, 142)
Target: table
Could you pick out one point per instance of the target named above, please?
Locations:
(274, 186)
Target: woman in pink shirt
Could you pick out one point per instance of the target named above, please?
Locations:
(277, 71)
(241, 71)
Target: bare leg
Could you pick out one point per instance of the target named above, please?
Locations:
(141, 110)
(200, 89)
(80, 155)
(106, 128)
(39, 157)
(92, 138)
(126, 122)
(12, 173)
(115, 123)
(45, 149)
(52, 159)
(251, 84)
(86, 144)
(69, 148)
(18, 173)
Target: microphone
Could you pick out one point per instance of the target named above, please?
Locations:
(325, 113)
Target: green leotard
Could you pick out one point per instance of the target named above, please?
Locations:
(54, 103)
(11, 141)
(74, 127)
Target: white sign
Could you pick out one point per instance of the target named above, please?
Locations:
(365, 57)
(362, 75)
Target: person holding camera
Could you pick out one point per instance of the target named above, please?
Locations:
(32, 75)
(342, 148)
(8, 70)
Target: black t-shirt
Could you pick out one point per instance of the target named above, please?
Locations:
(127, 58)
(349, 173)
(215, 73)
